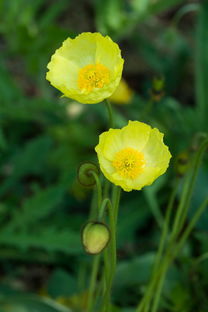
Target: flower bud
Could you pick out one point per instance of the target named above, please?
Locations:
(95, 237)
(85, 176)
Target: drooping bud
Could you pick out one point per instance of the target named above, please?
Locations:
(85, 175)
(95, 237)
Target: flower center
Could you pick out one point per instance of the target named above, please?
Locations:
(129, 163)
(93, 76)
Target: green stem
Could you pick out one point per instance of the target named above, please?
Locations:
(187, 191)
(191, 225)
(192, 7)
(171, 253)
(160, 286)
(105, 202)
(148, 295)
(196, 165)
(178, 224)
(165, 228)
(95, 267)
(201, 258)
(174, 250)
(96, 260)
(99, 188)
(110, 113)
(113, 215)
(93, 205)
(106, 188)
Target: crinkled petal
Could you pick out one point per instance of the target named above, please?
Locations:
(156, 153)
(135, 134)
(80, 50)
(110, 142)
(62, 74)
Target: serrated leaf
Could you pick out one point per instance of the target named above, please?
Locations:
(36, 207)
(50, 240)
(31, 158)
(61, 283)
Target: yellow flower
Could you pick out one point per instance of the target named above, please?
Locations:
(133, 156)
(123, 94)
(87, 69)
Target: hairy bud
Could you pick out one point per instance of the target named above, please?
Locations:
(95, 237)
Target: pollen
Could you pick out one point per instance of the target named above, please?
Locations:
(93, 76)
(129, 163)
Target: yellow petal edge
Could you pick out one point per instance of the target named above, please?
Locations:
(134, 156)
(87, 68)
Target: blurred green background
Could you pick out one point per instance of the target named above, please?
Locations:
(44, 138)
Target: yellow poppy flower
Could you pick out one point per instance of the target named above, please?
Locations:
(87, 69)
(133, 156)
(123, 94)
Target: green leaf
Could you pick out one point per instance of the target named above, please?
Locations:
(61, 283)
(30, 303)
(31, 158)
(135, 271)
(49, 240)
(37, 207)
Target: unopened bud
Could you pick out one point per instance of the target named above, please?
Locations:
(95, 237)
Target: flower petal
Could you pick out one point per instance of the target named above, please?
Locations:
(63, 74)
(135, 134)
(156, 152)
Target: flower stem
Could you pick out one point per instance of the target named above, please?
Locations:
(110, 255)
(144, 304)
(165, 228)
(187, 191)
(174, 250)
(191, 225)
(95, 267)
(110, 113)
(115, 202)
(96, 260)
(99, 189)
(161, 265)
